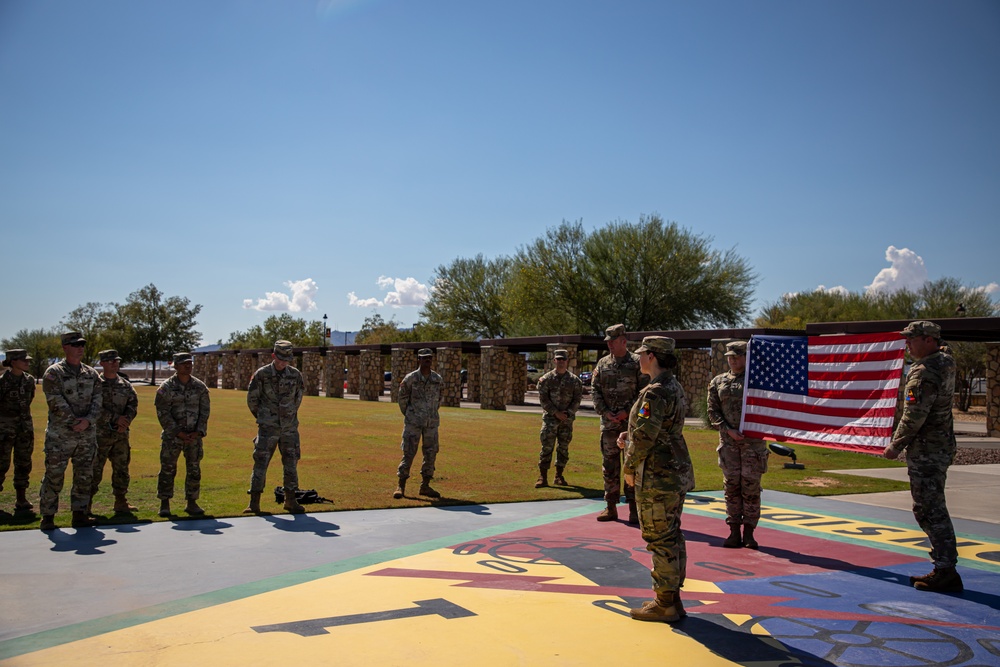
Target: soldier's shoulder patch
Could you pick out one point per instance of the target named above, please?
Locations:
(910, 396)
(644, 410)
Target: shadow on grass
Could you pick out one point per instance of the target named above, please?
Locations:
(18, 518)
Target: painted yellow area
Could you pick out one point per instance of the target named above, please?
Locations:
(510, 627)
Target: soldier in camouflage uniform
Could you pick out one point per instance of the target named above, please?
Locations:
(73, 393)
(658, 463)
(17, 433)
(926, 432)
(274, 397)
(743, 460)
(182, 407)
(616, 383)
(559, 393)
(419, 397)
(119, 406)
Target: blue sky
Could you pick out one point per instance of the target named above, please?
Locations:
(261, 157)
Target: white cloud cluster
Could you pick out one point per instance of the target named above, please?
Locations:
(839, 289)
(300, 300)
(401, 292)
(907, 271)
(992, 288)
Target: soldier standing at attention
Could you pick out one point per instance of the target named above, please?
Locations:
(182, 406)
(559, 393)
(73, 393)
(419, 397)
(657, 462)
(743, 460)
(274, 397)
(926, 431)
(17, 433)
(616, 383)
(119, 407)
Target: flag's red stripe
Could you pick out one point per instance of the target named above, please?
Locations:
(869, 431)
(818, 409)
(846, 358)
(864, 449)
(851, 376)
(859, 394)
(855, 339)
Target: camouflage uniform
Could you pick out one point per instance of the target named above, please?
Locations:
(926, 431)
(743, 463)
(419, 397)
(181, 408)
(274, 398)
(119, 400)
(17, 433)
(558, 393)
(657, 455)
(616, 384)
(72, 393)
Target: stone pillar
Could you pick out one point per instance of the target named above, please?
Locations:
(372, 382)
(403, 361)
(333, 374)
(517, 378)
(449, 365)
(312, 365)
(229, 370)
(719, 363)
(353, 373)
(198, 368)
(694, 372)
(246, 364)
(473, 381)
(263, 359)
(493, 386)
(211, 370)
(993, 390)
(572, 356)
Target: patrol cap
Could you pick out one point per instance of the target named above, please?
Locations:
(614, 331)
(283, 350)
(425, 352)
(737, 348)
(657, 344)
(182, 358)
(922, 328)
(560, 354)
(71, 337)
(15, 355)
(109, 355)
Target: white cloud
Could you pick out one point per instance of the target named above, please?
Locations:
(992, 288)
(907, 271)
(401, 292)
(839, 289)
(300, 300)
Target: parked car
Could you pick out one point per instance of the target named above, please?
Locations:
(387, 376)
(585, 378)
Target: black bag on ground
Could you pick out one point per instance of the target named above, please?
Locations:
(305, 497)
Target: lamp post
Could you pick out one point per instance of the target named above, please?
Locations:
(326, 332)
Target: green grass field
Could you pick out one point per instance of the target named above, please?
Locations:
(350, 450)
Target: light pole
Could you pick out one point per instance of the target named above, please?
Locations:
(326, 332)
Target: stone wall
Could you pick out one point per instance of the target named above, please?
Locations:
(493, 371)
(719, 363)
(472, 382)
(312, 366)
(353, 373)
(333, 373)
(198, 367)
(246, 364)
(211, 370)
(372, 377)
(993, 390)
(229, 370)
(517, 379)
(694, 372)
(403, 361)
(449, 365)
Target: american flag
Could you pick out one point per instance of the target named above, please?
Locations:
(830, 391)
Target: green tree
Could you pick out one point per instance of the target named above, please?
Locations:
(468, 298)
(43, 346)
(300, 332)
(376, 330)
(93, 320)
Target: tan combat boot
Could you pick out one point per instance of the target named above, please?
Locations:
(22, 504)
(735, 540)
(664, 609)
(254, 506)
(400, 489)
(610, 512)
(426, 490)
(543, 478)
(292, 503)
(560, 480)
(942, 580)
(122, 505)
(193, 508)
(48, 522)
(83, 520)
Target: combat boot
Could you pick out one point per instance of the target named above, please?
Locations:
(164, 507)
(122, 505)
(22, 504)
(48, 522)
(735, 540)
(664, 609)
(254, 506)
(922, 577)
(610, 512)
(633, 513)
(82, 520)
(193, 509)
(292, 503)
(942, 580)
(400, 489)
(560, 480)
(748, 541)
(426, 490)
(543, 478)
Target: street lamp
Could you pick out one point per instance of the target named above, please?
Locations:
(326, 332)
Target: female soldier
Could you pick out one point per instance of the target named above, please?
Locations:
(657, 461)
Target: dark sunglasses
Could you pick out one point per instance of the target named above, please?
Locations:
(77, 344)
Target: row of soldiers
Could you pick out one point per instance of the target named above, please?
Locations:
(90, 413)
